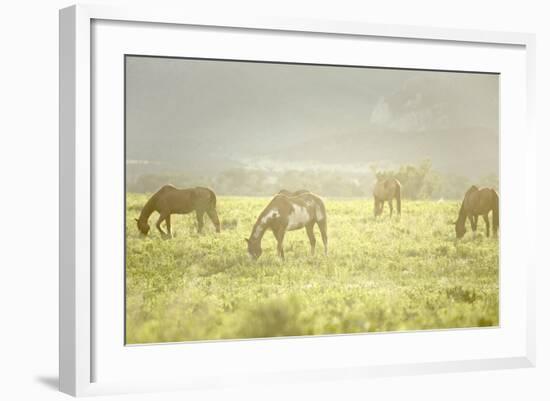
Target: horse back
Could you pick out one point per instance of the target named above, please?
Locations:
(488, 198)
(182, 201)
(202, 198)
(480, 201)
(312, 203)
(386, 188)
(202, 194)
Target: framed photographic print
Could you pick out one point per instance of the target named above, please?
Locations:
(281, 200)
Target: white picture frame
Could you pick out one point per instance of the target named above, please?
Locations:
(78, 163)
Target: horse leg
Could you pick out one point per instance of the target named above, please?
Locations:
(161, 218)
(390, 202)
(280, 236)
(322, 224)
(486, 219)
(311, 236)
(200, 220)
(168, 226)
(472, 223)
(214, 218)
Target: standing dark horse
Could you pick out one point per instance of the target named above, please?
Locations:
(386, 190)
(170, 200)
(478, 202)
(289, 213)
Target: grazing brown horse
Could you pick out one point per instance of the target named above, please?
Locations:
(289, 213)
(170, 200)
(386, 190)
(478, 202)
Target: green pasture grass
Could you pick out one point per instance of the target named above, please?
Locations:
(383, 274)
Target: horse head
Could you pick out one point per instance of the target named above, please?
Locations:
(460, 229)
(254, 248)
(143, 226)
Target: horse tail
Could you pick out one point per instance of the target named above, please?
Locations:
(212, 199)
(496, 218)
(321, 214)
(320, 210)
(204, 198)
(398, 197)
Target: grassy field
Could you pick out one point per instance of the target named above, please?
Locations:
(380, 275)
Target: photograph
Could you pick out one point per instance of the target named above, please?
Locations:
(272, 199)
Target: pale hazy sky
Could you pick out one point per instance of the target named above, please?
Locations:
(189, 113)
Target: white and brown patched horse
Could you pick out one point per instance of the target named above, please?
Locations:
(288, 213)
(386, 190)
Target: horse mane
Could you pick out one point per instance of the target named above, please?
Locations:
(462, 211)
(150, 205)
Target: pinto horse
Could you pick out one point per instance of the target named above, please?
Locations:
(386, 190)
(289, 213)
(478, 202)
(170, 200)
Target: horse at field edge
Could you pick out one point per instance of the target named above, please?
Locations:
(170, 200)
(386, 190)
(289, 213)
(478, 202)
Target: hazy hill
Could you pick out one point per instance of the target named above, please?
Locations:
(211, 115)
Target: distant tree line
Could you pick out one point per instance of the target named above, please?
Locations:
(418, 181)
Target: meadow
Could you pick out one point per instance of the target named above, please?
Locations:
(383, 274)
